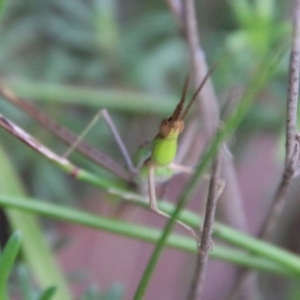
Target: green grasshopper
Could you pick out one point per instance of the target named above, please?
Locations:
(160, 164)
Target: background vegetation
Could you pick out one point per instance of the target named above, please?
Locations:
(76, 57)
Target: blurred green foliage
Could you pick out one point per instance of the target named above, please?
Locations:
(259, 29)
(31, 292)
(127, 45)
(28, 290)
(93, 42)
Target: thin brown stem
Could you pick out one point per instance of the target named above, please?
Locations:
(206, 236)
(293, 87)
(277, 206)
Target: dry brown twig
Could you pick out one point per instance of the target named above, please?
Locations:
(206, 236)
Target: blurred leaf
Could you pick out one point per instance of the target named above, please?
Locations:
(47, 294)
(106, 25)
(115, 293)
(26, 288)
(49, 183)
(2, 8)
(7, 260)
(106, 98)
(243, 12)
(142, 39)
(167, 58)
(259, 30)
(91, 294)
(34, 248)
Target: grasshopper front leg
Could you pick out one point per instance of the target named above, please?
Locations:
(190, 170)
(153, 202)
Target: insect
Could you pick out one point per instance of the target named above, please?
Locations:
(160, 164)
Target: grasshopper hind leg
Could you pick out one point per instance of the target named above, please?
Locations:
(106, 116)
(154, 207)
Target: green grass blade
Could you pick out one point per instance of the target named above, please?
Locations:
(7, 260)
(33, 246)
(270, 258)
(110, 99)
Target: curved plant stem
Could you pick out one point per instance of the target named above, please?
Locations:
(269, 258)
(124, 101)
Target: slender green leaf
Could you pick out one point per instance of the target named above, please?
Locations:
(270, 258)
(110, 99)
(7, 260)
(36, 251)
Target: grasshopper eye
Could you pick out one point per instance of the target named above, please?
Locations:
(165, 127)
(168, 126)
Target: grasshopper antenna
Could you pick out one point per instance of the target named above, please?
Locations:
(209, 72)
(178, 110)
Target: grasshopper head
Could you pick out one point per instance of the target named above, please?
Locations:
(170, 127)
(174, 125)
